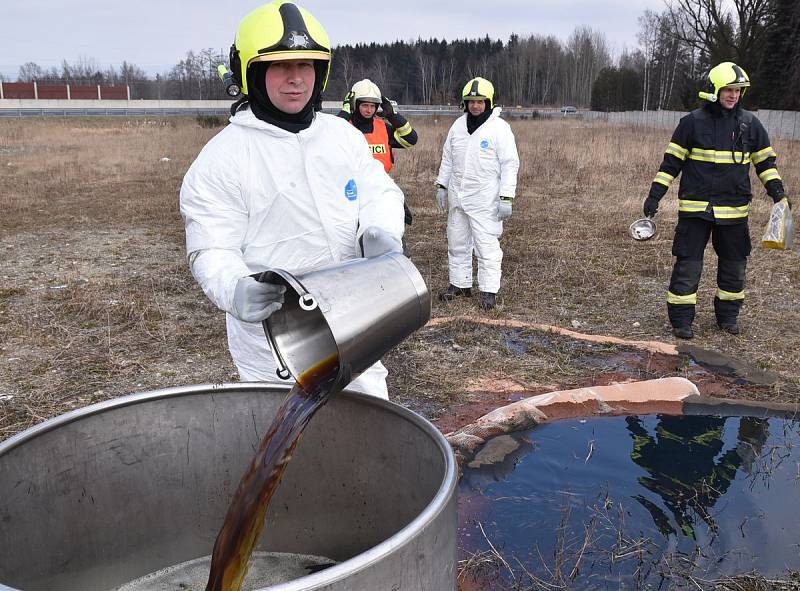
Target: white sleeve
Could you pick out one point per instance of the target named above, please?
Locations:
(509, 161)
(446, 166)
(215, 220)
(380, 199)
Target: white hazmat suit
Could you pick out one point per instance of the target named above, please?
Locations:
(477, 169)
(260, 197)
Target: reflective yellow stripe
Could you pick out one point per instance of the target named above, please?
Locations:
(727, 212)
(673, 298)
(404, 130)
(729, 295)
(677, 151)
(762, 155)
(720, 156)
(664, 178)
(692, 206)
(770, 174)
(401, 141)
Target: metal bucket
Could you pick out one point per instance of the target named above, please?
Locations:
(355, 311)
(106, 494)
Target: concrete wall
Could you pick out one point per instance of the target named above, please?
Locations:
(779, 124)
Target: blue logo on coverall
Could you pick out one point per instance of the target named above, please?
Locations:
(350, 190)
(484, 144)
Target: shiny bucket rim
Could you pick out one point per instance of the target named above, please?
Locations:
(332, 574)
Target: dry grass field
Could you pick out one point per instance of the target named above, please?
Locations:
(96, 300)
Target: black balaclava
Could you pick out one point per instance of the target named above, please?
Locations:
(474, 122)
(360, 122)
(263, 109)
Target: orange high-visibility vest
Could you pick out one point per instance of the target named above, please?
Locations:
(378, 142)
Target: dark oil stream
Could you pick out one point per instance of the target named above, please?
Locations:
(638, 502)
(245, 517)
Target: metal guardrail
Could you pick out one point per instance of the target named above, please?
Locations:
(54, 108)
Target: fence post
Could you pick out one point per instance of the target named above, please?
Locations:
(129, 91)
(35, 91)
(1, 90)
(69, 94)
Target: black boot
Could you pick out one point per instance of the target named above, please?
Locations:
(487, 301)
(730, 326)
(683, 332)
(452, 292)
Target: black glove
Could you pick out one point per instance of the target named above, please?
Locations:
(777, 200)
(388, 110)
(650, 207)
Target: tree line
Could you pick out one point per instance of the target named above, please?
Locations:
(665, 71)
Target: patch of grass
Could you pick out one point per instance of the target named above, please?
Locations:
(211, 121)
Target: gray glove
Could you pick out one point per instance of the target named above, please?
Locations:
(377, 241)
(504, 209)
(254, 301)
(441, 198)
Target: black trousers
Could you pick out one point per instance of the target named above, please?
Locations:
(732, 244)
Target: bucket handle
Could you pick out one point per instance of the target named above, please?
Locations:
(306, 301)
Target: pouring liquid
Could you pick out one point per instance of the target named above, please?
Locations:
(245, 517)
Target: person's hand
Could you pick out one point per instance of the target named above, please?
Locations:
(504, 209)
(254, 301)
(377, 241)
(650, 207)
(346, 102)
(441, 198)
(778, 200)
(388, 110)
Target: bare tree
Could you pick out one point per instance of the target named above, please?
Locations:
(426, 67)
(380, 65)
(345, 58)
(29, 72)
(649, 24)
(718, 32)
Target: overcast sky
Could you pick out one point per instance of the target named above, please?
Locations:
(156, 34)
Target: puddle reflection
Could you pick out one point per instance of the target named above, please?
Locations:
(632, 502)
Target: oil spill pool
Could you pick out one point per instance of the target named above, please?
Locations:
(632, 502)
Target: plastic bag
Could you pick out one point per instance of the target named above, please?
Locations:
(779, 232)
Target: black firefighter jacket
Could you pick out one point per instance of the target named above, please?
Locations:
(713, 147)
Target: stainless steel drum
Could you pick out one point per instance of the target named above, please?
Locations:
(106, 494)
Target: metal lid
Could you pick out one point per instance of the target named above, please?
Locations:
(642, 229)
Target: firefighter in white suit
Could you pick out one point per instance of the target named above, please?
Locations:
(282, 186)
(477, 182)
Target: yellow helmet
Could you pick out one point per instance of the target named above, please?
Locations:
(726, 74)
(476, 89)
(367, 91)
(278, 31)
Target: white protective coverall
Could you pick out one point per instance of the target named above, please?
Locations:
(259, 197)
(476, 170)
